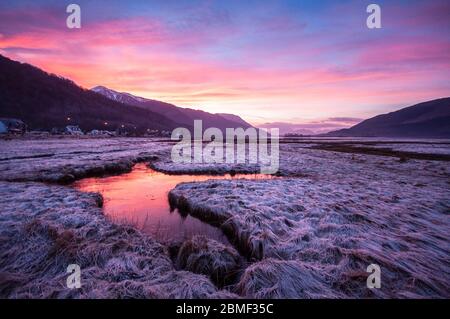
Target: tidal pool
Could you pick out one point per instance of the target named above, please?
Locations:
(140, 198)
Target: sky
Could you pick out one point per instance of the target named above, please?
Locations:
(311, 63)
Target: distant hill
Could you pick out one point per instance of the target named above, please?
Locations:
(44, 101)
(425, 120)
(185, 116)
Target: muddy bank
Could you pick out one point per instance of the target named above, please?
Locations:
(221, 219)
(201, 255)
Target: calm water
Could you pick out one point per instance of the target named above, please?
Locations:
(140, 198)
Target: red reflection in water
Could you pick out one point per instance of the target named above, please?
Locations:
(140, 198)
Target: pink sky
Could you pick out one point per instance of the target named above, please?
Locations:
(268, 63)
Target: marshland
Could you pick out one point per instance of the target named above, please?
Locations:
(140, 226)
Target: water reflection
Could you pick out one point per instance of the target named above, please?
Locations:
(140, 198)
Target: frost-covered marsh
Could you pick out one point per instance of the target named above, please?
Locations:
(45, 228)
(309, 234)
(64, 160)
(314, 236)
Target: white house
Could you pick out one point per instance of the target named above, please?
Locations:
(73, 130)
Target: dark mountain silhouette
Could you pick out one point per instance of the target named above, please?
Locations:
(185, 116)
(234, 118)
(44, 101)
(162, 108)
(429, 119)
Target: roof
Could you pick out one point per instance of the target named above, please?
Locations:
(11, 121)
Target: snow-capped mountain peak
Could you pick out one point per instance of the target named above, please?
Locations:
(117, 96)
(184, 116)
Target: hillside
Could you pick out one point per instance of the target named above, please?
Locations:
(185, 116)
(429, 119)
(44, 101)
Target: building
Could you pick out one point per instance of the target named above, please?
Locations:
(12, 126)
(101, 133)
(73, 130)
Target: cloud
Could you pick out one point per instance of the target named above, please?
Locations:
(273, 62)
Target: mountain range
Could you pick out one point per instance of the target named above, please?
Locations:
(44, 101)
(183, 116)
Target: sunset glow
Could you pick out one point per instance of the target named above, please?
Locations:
(280, 61)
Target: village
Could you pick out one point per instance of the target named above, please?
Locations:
(16, 127)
